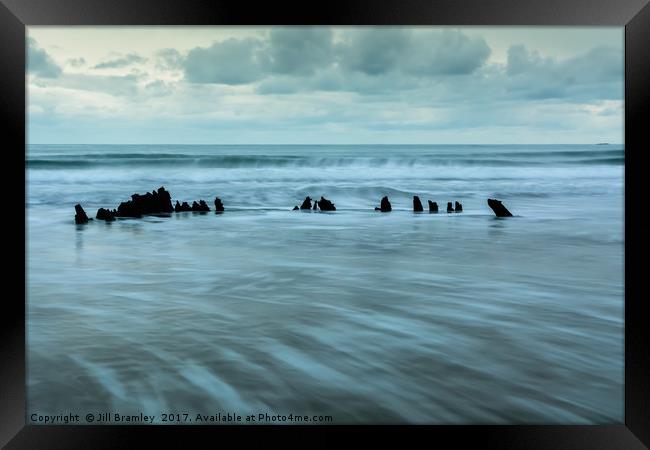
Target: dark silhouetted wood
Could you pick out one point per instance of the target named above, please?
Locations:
(80, 216)
(498, 208)
(384, 206)
(154, 202)
(306, 204)
(417, 204)
(325, 205)
(105, 214)
(202, 206)
(218, 206)
(184, 207)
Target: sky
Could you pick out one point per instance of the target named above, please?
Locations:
(325, 85)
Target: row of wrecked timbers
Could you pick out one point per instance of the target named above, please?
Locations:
(160, 202)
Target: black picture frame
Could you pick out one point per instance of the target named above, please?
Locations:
(634, 15)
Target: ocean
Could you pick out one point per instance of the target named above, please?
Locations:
(346, 317)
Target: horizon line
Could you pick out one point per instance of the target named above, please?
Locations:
(339, 144)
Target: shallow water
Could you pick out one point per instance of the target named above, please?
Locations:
(363, 316)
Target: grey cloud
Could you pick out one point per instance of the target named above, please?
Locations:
(443, 66)
(599, 64)
(76, 62)
(158, 88)
(429, 53)
(373, 51)
(324, 80)
(228, 62)
(597, 74)
(305, 52)
(169, 59)
(299, 50)
(127, 60)
(520, 60)
(336, 80)
(449, 52)
(279, 85)
(289, 51)
(114, 85)
(39, 62)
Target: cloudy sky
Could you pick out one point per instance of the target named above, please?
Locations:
(320, 85)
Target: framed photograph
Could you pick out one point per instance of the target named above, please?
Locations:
(375, 219)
